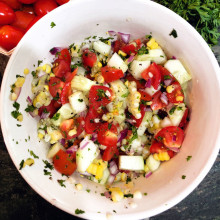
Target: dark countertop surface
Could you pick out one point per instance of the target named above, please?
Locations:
(19, 201)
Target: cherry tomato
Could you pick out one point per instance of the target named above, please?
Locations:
(7, 15)
(69, 76)
(131, 48)
(116, 46)
(22, 20)
(140, 83)
(60, 67)
(27, 1)
(177, 95)
(145, 96)
(61, 2)
(158, 147)
(100, 96)
(65, 55)
(156, 101)
(70, 124)
(10, 36)
(48, 109)
(184, 120)
(171, 136)
(37, 18)
(152, 73)
(109, 153)
(88, 58)
(42, 7)
(14, 4)
(64, 163)
(28, 8)
(108, 134)
(138, 121)
(111, 74)
(66, 92)
(90, 125)
(55, 86)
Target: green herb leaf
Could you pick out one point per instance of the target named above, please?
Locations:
(172, 110)
(56, 98)
(61, 182)
(21, 164)
(18, 125)
(80, 100)
(56, 116)
(173, 33)
(125, 95)
(188, 158)
(48, 165)
(143, 50)
(16, 105)
(34, 155)
(79, 211)
(30, 108)
(39, 62)
(15, 114)
(167, 77)
(183, 177)
(47, 173)
(52, 24)
(129, 195)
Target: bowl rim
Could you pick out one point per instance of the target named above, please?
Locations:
(172, 202)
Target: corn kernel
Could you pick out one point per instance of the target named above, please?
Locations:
(99, 64)
(20, 118)
(123, 177)
(162, 156)
(122, 53)
(179, 98)
(48, 68)
(40, 136)
(26, 71)
(79, 186)
(29, 162)
(92, 169)
(46, 87)
(52, 75)
(146, 168)
(44, 67)
(170, 89)
(20, 81)
(72, 132)
(13, 96)
(100, 79)
(152, 44)
(127, 83)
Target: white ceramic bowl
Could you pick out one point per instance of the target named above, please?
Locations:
(82, 18)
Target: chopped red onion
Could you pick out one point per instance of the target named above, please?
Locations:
(148, 83)
(113, 168)
(112, 33)
(44, 115)
(174, 149)
(107, 194)
(147, 109)
(164, 98)
(131, 58)
(54, 50)
(111, 179)
(32, 114)
(83, 114)
(148, 174)
(41, 74)
(123, 135)
(62, 141)
(174, 137)
(173, 57)
(131, 121)
(17, 91)
(167, 82)
(29, 100)
(125, 37)
(94, 137)
(84, 145)
(72, 149)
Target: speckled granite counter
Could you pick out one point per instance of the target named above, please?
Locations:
(19, 201)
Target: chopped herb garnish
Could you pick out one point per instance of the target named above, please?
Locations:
(34, 74)
(15, 114)
(61, 182)
(114, 211)
(16, 105)
(173, 33)
(143, 50)
(102, 194)
(21, 164)
(88, 190)
(125, 95)
(18, 125)
(188, 158)
(56, 97)
(109, 126)
(183, 177)
(80, 100)
(52, 24)
(30, 108)
(148, 36)
(47, 173)
(167, 77)
(34, 155)
(159, 138)
(39, 62)
(79, 211)
(128, 179)
(48, 165)
(129, 195)
(145, 194)
(105, 40)
(87, 38)
(56, 116)
(172, 110)
(19, 76)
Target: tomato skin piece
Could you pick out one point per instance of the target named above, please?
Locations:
(69, 76)
(65, 55)
(64, 163)
(140, 83)
(145, 96)
(7, 15)
(138, 121)
(109, 153)
(22, 20)
(37, 18)
(60, 68)
(177, 92)
(27, 1)
(50, 109)
(66, 92)
(55, 86)
(129, 48)
(156, 102)
(88, 58)
(42, 7)
(14, 4)
(10, 36)
(171, 136)
(108, 135)
(61, 2)
(90, 125)
(156, 78)
(111, 74)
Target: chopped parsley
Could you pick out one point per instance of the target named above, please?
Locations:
(47, 173)
(102, 194)
(172, 110)
(56, 97)
(34, 155)
(88, 190)
(129, 195)
(188, 158)
(21, 164)
(39, 62)
(183, 177)
(145, 194)
(148, 36)
(128, 179)
(125, 95)
(79, 211)
(173, 33)
(52, 24)
(18, 125)
(56, 116)
(80, 100)
(109, 126)
(16, 105)
(143, 50)
(105, 40)
(15, 114)
(19, 76)
(167, 77)
(48, 165)
(34, 74)
(61, 182)
(30, 108)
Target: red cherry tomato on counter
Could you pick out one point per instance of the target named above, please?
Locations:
(27, 1)
(28, 8)
(64, 163)
(153, 74)
(55, 87)
(33, 22)
(14, 4)
(111, 74)
(88, 58)
(61, 67)
(61, 2)
(108, 134)
(7, 15)
(171, 136)
(42, 7)
(22, 20)
(10, 36)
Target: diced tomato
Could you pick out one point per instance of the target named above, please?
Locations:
(65, 55)
(55, 86)
(171, 136)
(109, 153)
(61, 67)
(138, 121)
(70, 124)
(152, 73)
(140, 83)
(145, 96)
(100, 96)
(70, 75)
(90, 125)
(177, 95)
(64, 163)
(156, 101)
(111, 74)
(132, 47)
(158, 147)
(48, 109)
(108, 134)
(88, 58)
(184, 120)
(66, 92)
(116, 46)
(165, 74)
(57, 103)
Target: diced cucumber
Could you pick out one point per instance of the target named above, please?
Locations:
(177, 115)
(104, 179)
(77, 102)
(152, 164)
(145, 123)
(54, 149)
(102, 48)
(151, 91)
(117, 62)
(178, 71)
(135, 163)
(154, 55)
(165, 122)
(86, 154)
(137, 67)
(81, 71)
